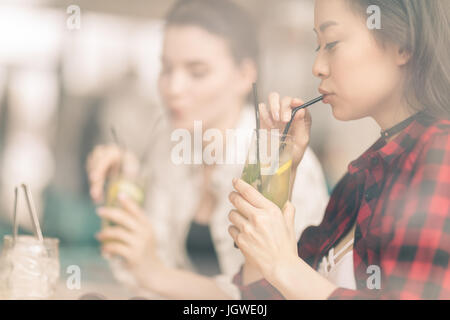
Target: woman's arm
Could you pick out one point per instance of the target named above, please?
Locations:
(296, 280)
(266, 237)
(132, 238)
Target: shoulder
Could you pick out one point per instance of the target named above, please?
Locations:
(434, 144)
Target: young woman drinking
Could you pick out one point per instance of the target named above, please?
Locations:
(386, 229)
(178, 246)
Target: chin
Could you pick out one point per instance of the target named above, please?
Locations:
(344, 113)
(178, 123)
(338, 113)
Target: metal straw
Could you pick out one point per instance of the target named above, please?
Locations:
(15, 225)
(294, 111)
(258, 126)
(32, 210)
(121, 146)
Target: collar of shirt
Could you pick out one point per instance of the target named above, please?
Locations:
(387, 152)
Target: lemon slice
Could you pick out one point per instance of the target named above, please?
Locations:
(284, 167)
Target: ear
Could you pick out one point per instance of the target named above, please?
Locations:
(402, 56)
(248, 75)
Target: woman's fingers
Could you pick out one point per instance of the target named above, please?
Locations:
(119, 217)
(296, 102)
(238, 220)
(289, 216)
(130, 206)
(118, 249)
(275, 108)
(242, 205)
(116, 234)
(251, 195)
(280, 109)
(265, 117)
(102, 160)
(286, 111)
(234, 233)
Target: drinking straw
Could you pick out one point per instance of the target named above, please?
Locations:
(294, 111)
(32, 209)
(120, 144)
(15, 225)
(255, 100)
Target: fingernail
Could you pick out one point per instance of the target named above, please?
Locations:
(277, 116)
(234, 180)
(286, 116)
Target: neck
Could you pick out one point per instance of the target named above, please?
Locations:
(391, 114)
(228, 120)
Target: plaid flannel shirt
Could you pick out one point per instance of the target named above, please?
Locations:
(398, 193)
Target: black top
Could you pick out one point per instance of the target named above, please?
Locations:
(201, 251)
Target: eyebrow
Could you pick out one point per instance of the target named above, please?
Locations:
(325, 25)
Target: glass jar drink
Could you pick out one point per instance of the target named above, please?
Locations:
(128, 180)
(121, 184)
(270, 171)
(29, 265)
(29, 268)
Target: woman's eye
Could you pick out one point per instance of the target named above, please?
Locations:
(331, 45)
(166, 70)
(328, 46)
(199, 74)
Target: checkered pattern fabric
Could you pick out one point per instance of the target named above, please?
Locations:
(398, 193)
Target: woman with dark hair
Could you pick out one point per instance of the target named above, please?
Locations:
(386, 229)
(178, 246)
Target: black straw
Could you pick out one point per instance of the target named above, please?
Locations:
(294, 111)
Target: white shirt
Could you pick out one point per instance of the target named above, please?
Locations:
(172, 199)
(341, 273)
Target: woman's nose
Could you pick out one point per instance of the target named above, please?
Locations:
(176, 84)
(320, 67)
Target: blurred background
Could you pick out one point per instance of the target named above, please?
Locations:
(61, 88)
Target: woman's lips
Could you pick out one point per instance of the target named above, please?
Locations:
(326, 98)
(326, 95)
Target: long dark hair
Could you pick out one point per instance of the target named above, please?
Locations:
(220, 17)
(422, 27)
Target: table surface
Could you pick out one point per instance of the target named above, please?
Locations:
(95, 276)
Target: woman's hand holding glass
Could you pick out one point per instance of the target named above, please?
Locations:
(263, 232)
(104, 161)
(131, 237)
(129, 231)
(278, 114)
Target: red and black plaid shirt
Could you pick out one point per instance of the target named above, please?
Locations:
(399, 195)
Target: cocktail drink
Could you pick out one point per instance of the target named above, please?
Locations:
(29, 268)
(132, 184)
(129, 180)
(122, 184)
(270, 171)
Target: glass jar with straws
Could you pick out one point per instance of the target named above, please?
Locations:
(29, 265)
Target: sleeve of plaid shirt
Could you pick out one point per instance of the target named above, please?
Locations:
(415, 257)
